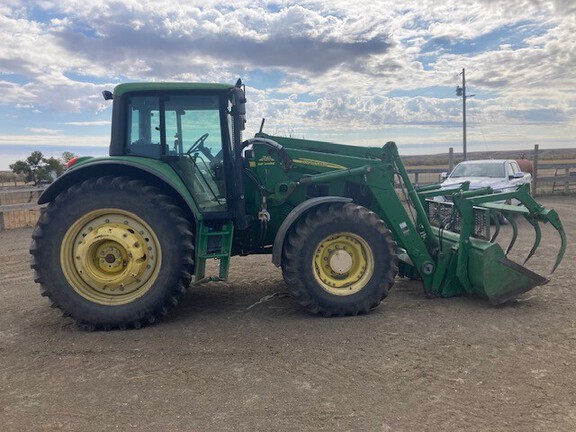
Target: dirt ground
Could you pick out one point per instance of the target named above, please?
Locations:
(223, 361)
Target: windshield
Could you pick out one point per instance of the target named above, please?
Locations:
(493, 170)
(172, 125)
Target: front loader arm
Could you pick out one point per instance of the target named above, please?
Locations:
(452, 258)
(413, 233)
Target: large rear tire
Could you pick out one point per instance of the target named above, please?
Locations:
(113, 252)
(339, 260)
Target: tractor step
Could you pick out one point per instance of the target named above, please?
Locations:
(213, 242)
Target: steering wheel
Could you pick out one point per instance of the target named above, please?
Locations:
(198, 145)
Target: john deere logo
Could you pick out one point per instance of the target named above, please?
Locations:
(266, 160)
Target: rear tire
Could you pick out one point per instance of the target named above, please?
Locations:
(339, 260)
(113, 252)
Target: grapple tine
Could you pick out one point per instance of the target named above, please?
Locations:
(496, 229)
(514, 233)
(552, 217)
(538, 236)
(548, 215)
(562, 247)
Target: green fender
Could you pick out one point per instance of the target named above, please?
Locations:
(293, 217)
(157, 173)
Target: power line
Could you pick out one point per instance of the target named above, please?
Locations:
(477, 113)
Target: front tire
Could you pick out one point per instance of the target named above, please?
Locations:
(339, 260)
(113, 252)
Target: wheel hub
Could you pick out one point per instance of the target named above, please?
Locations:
(340, 262)
(111, 256)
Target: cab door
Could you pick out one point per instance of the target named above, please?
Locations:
(190, 132)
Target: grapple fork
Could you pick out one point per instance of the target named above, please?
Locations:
(476, 264)
(534, 213)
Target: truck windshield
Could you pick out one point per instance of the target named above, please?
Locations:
(493, 170)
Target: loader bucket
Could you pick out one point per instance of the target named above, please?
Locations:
(488, 272)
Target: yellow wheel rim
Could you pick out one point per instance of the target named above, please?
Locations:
(343, 263)
(110, 256)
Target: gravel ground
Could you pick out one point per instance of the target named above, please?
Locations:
(242, 356)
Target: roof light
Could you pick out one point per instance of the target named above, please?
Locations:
(71, 162)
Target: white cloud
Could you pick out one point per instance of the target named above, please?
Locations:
(44, 131)
(342, 59)
(56, 140)
(89, 123)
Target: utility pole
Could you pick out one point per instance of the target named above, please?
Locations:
(461, 91)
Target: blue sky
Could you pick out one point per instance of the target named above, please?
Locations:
(343, 71)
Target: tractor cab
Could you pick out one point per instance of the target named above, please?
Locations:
(188, 126)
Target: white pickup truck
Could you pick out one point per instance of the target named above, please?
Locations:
(502, 175)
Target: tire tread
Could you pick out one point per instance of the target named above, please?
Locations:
(147, 192)
(297, 241)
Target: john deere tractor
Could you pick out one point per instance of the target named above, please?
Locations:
(122, 237)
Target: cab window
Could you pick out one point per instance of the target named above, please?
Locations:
(143, 131)
(186, 130)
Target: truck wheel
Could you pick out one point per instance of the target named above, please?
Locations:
(113, 252)
(339, 260)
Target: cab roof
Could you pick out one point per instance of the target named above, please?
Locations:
(120, 89)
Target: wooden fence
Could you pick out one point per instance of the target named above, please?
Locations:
(19, 207)
(563, 179)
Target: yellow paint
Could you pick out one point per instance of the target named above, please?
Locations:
(110, 256)
(314, 162)
(343, 264)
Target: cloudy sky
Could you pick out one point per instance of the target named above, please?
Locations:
(339, 70)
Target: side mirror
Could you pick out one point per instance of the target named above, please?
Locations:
(238, 99)
(443, 176)
(516, 175)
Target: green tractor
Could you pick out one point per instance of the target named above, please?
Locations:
(122, 237)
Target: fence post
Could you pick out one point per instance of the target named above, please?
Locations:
(535, 171)
(450, 159)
